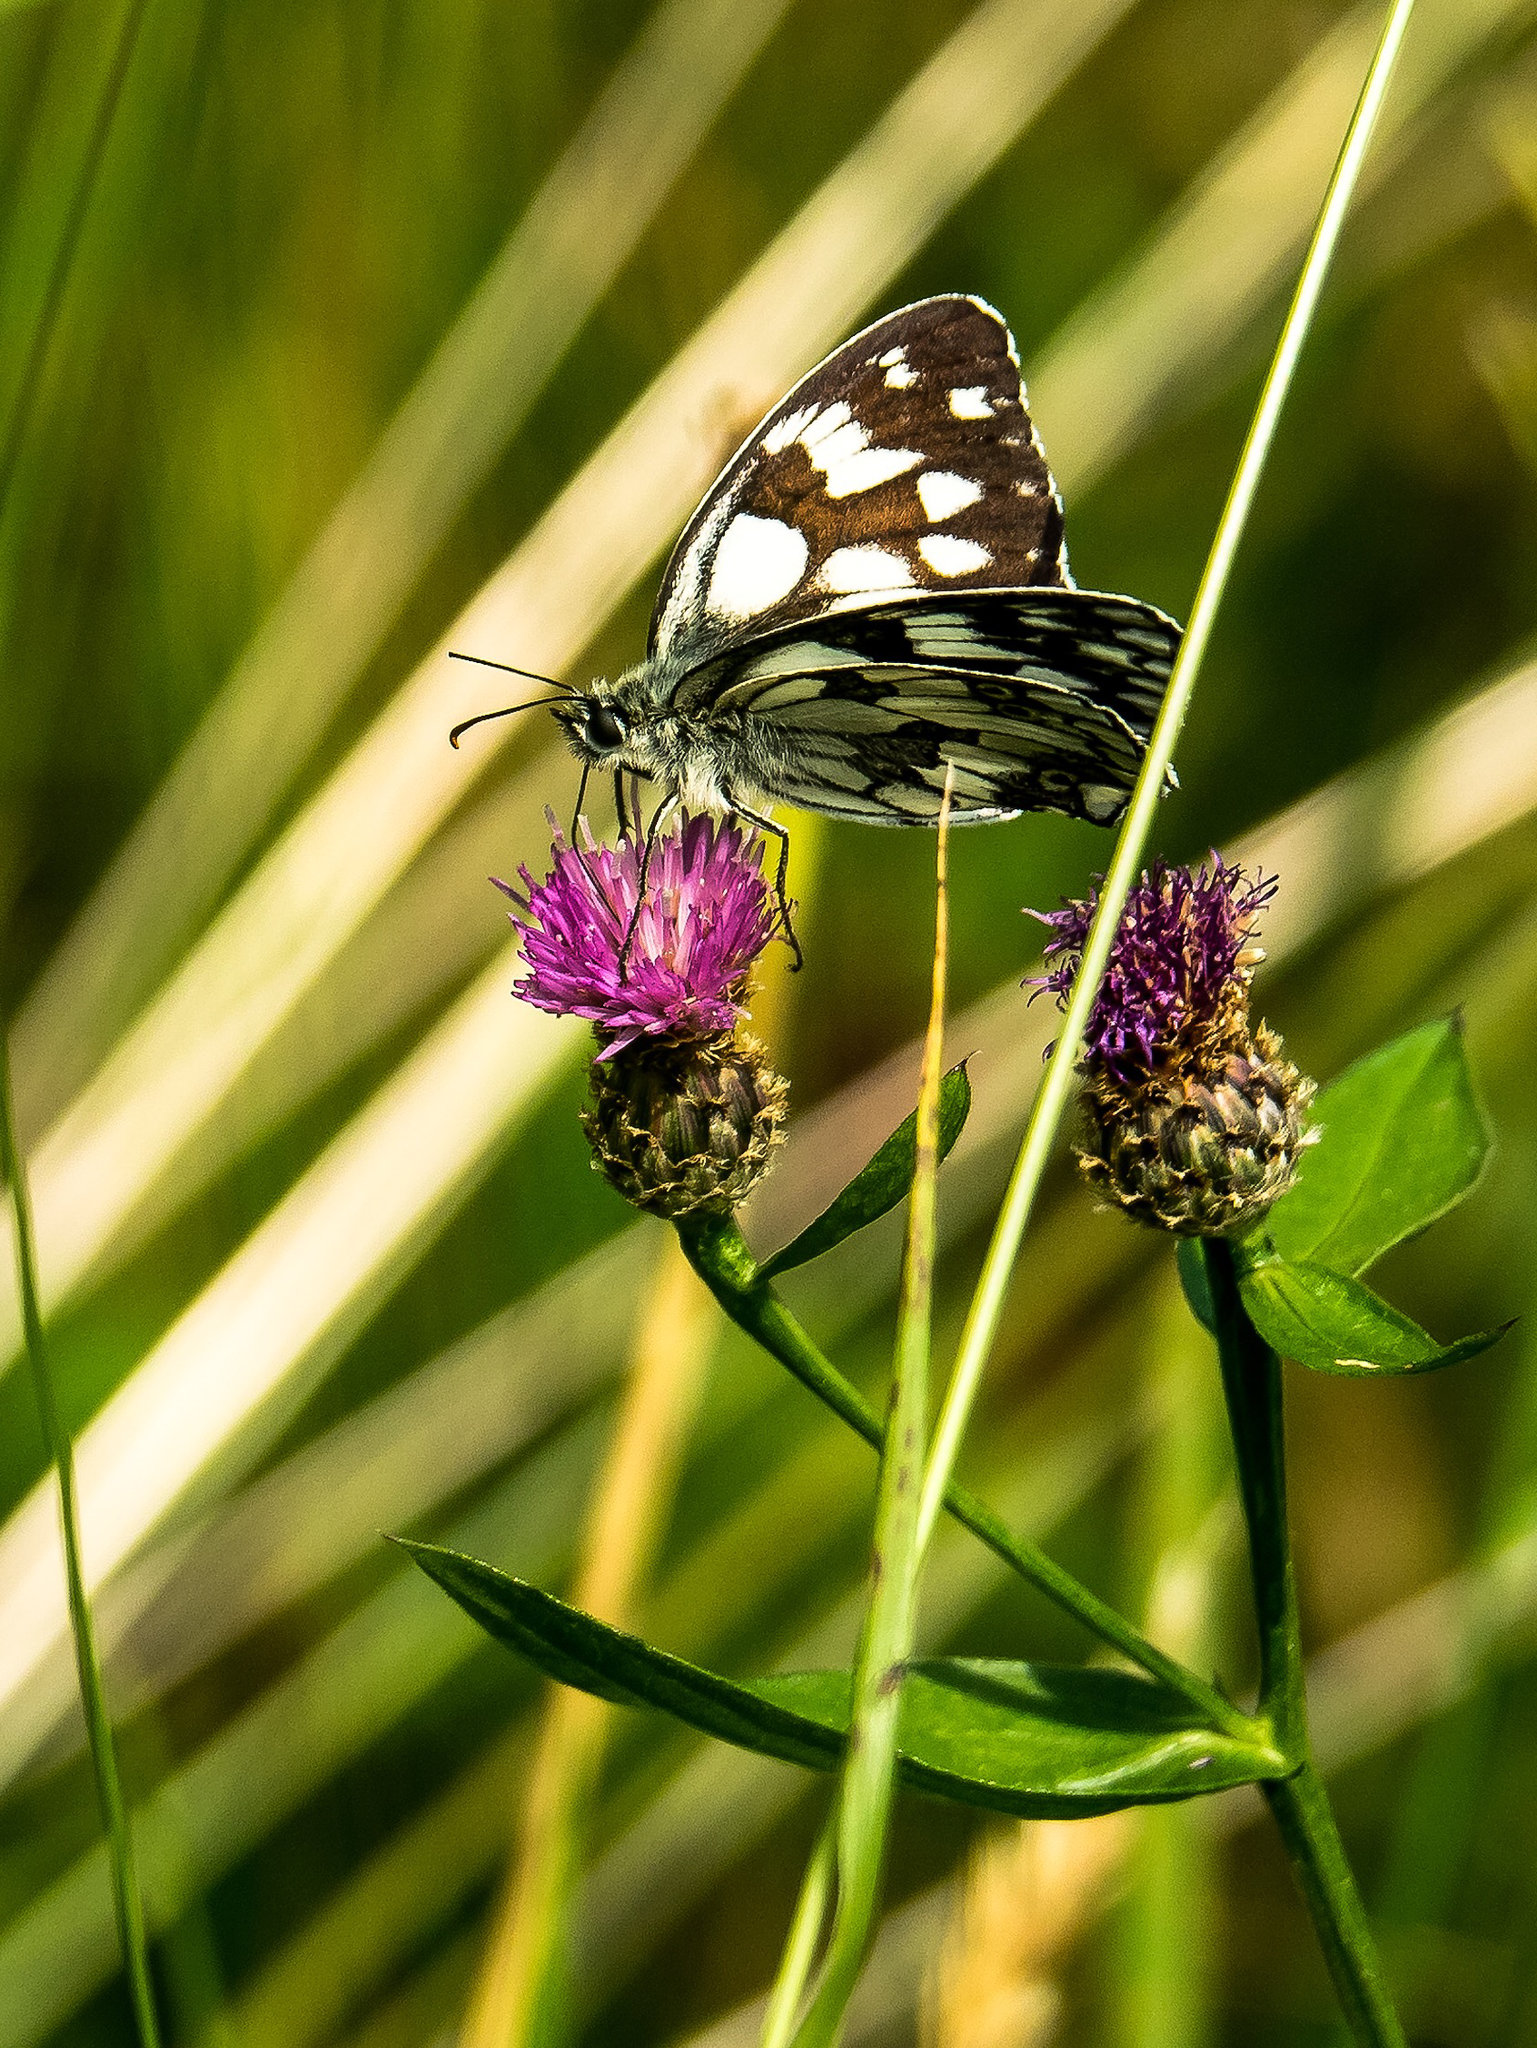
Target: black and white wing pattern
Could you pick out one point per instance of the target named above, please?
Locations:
(905, 461)
(875, 590)
(1038, 699)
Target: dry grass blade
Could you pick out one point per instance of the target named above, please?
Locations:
(1027, 1895)
(630, 1501)
(579, 230)
(249, 1777)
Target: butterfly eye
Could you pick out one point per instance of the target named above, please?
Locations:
(605, 729)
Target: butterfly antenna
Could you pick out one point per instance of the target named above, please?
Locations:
(481, 717)
(484, 661)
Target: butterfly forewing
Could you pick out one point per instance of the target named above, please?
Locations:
(905, 462)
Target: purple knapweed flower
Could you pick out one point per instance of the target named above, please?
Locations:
(1191, 1118)
(707, 916)
(1177, 981)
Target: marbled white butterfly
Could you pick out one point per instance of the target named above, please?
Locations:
(875, 589)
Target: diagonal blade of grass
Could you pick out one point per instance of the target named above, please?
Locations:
(579, 230)
(387, 1654)
(332, 866)
(1051, 1101)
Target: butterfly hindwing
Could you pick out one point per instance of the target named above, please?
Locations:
(1040, 699)
(904, 462)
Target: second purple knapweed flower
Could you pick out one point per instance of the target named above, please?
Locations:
(685, 1110)
(1191, 1119)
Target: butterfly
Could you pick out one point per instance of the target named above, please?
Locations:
(874, 595)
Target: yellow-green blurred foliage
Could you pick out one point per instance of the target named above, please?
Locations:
(323, 1253)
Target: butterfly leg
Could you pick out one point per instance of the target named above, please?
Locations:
(782, 874)
(581, 798)
(663, 811)
(621, 809)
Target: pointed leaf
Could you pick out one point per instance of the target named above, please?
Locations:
(1403, 1140)
(1336, 1325)
(882, 1183)
(1014, 1738)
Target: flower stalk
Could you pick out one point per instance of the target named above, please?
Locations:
(1251, 1384)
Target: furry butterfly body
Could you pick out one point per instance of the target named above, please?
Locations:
(874, 593)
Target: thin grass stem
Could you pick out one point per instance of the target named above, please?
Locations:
(868, 1783)
(800, 1950)
(1052, 1098)
(127, 1903)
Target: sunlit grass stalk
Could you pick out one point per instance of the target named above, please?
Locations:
(520, 1977)
(868, 1781)
(1051, 1101)
(127, 1903)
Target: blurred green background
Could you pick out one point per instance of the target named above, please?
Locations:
(397, 327)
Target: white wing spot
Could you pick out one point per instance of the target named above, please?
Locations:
(790, 428)
(970, 402)
(847, 570)
(839, 446)
(758, 562)
(948, 555)
(898, 374)
(942, 494)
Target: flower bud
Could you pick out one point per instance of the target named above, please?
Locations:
(1199, 1154)
(683, 1125)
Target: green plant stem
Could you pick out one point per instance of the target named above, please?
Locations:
(801, 1947)
(1051, 1100)
(720, 1256)
(1251, 1385)
(127, 1904)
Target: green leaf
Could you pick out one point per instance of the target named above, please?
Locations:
(1336, 1325)
(880, 1184)
(1403, 1140)
(1034, 1740)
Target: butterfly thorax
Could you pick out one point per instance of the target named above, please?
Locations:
(712, 762)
